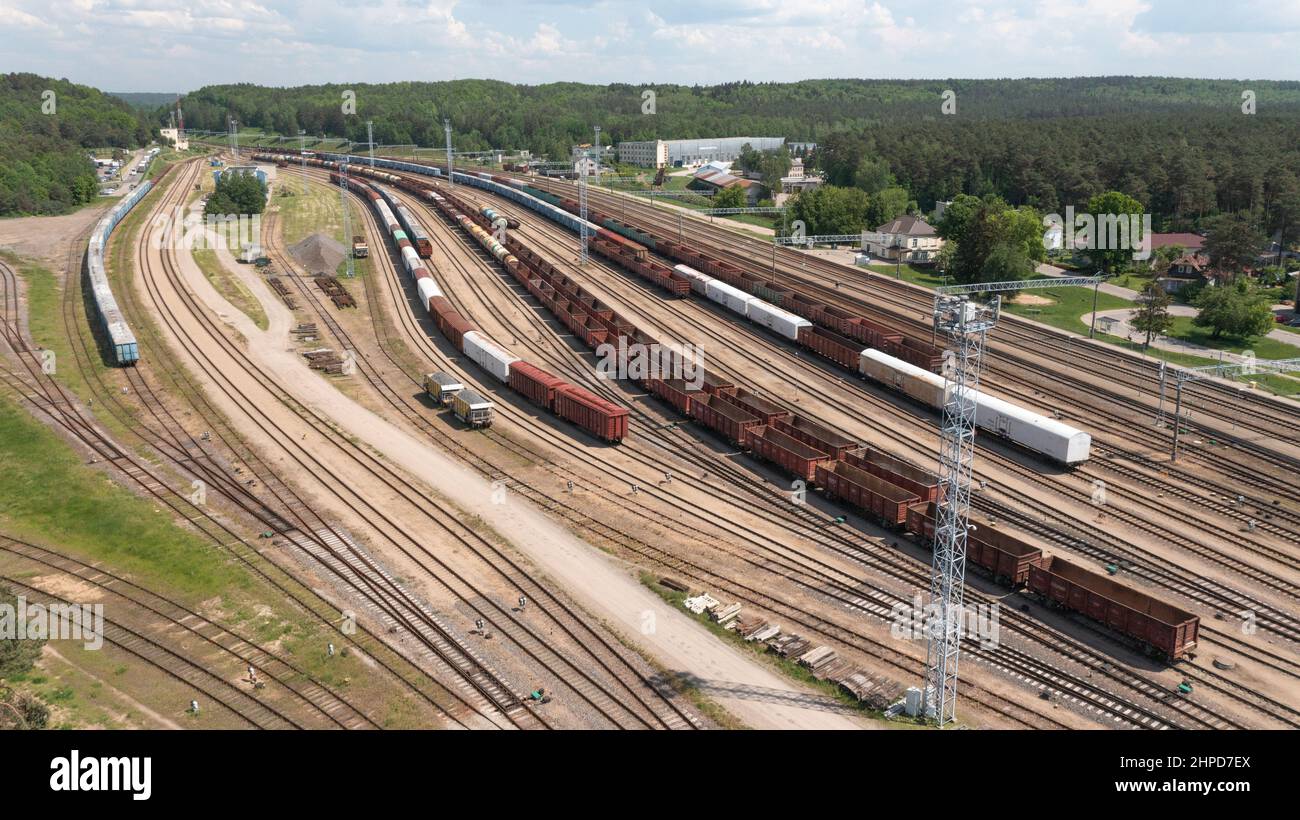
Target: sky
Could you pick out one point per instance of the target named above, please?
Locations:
(161, 45)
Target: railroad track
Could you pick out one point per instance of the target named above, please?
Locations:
(494, 206)
(255, 712)
(615, 709)
(909, 302)
(453, 289)
(914, 301)
(54, 399)
(578, 627)
(548, 502)
(1214, 595)
(284, 674)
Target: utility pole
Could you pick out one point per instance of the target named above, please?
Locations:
(302, 154)
(1092, 327)
(597, 156)
(446, 127)
(370, 140)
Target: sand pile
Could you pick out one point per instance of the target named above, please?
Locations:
(319, 253)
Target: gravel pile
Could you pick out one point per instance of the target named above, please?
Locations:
(319, 253)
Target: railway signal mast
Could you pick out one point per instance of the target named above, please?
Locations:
(966, 325)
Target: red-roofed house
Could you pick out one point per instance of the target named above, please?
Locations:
(1190, 241)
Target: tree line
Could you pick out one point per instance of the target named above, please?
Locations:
(44, 137)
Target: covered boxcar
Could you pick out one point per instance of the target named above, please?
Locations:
(603, 419)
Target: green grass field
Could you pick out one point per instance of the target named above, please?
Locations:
(927, 278)
(1264, 347)
(1066, 307)
(318, 211)
(48, 495)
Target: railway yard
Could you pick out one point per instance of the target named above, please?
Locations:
(598, 548)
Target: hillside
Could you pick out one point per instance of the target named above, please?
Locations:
(145, 100)
(43, 164)
(1182, 147)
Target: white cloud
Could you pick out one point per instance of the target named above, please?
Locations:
(135, 44)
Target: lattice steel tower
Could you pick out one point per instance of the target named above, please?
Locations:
(347, 219)
(966, 324)
(302, 154)
(446, 127)
(583, 234)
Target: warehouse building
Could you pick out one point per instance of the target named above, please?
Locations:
(657, 153)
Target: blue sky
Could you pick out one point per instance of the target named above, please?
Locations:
(160, 45)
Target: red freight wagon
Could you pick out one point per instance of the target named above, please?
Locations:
(454, 327)
(1136, 615)
(715, 385)
(865, 491)
(815, 436)
(749, 284)
(755, 405)
(836, 319)
(675, 392)
(668, 279)
(874, 335)
(1000, 555)
(896, 471)
(535, 384)
(594, 307)
(833, 346)
(727, 419)
(589, 329)
(805, 307)
(792, 455)
(1007, 558)
(560, 309)
(921, 354)
(602, 419)
(638, 250)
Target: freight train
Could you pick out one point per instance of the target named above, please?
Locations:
(123, 349)
(854, 342)
(601, 418)
(892, 491)
(1149, 624)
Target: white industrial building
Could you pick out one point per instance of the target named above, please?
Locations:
(657, 153)
(175, 137)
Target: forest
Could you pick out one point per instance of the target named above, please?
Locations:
(1185, 149)
(44, 141)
